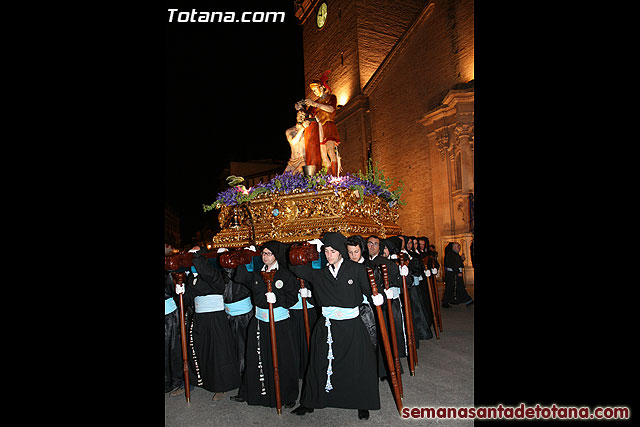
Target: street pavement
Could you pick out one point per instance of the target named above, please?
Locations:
(443, 378)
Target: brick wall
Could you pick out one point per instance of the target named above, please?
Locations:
(436, 56)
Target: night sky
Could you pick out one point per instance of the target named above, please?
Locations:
(230, 94)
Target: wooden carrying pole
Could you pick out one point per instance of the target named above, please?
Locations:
(385, 342)
(437, 299)
(267, 276)
(413, 359)
(305, 313)
(429, 262)
(392, 329)
(179, 280)
(434, 306)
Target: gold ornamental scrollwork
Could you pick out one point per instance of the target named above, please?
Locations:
(301, 216)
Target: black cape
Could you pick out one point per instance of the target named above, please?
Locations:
(213, 358)
(239, 324)
(260, 365)
(454, 289)
(354, 378)
(173, 371)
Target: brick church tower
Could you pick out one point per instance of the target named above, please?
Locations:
(402, 72)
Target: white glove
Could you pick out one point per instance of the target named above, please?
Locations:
(220, 250)
(316, 242)
(434, 270)
(393, 256)
(427, 273)
(251, 248)
(389, 293)
(377, 299)
(271, 297)
(404, 270)
(179, 289)
(305, 293)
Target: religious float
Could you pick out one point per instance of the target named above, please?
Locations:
(298, 207)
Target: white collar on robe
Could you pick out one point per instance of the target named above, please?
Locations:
(266, 268)
(336, 268)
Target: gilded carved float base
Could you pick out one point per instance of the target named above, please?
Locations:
(301, 216)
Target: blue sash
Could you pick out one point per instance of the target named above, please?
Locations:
(169, 306)
(279, 313)
(298, 305)
(340, 313)
(208, 303)
(239, 307)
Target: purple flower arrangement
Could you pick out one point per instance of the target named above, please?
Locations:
(289, 182)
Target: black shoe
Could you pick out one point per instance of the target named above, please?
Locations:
(445, 305)
(302, 410)
(236, 398)
(363, 414)
(469, 303)
(290, 405)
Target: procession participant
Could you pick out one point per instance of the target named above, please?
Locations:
(433, 254)
(258, 384)
(173, 372)
(376, 248)
(411, 248)
(357, 249)
(239, 310)
(423, 245)
(419, 297)
(212, 351)
(454, 289)
(324, 109)
(342, 363)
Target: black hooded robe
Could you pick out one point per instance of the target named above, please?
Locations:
(420, 302)
(211, 350)
(260, 365)
(300, 332)
(173, 372)
(354, 379)
(239, 324)
(454, 289)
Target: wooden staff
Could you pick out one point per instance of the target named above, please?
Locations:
(179, 279)
(433, 306)
(267, 276)
(385, 341)
(305, 313)
(434, 284)
(413, 360)
(392, 328)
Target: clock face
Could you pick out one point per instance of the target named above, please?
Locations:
(321, 18)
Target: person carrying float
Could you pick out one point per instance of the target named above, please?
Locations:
(342, 371)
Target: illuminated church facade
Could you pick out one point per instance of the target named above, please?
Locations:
(403, 72)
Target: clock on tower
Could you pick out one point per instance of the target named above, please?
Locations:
(321, 17)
